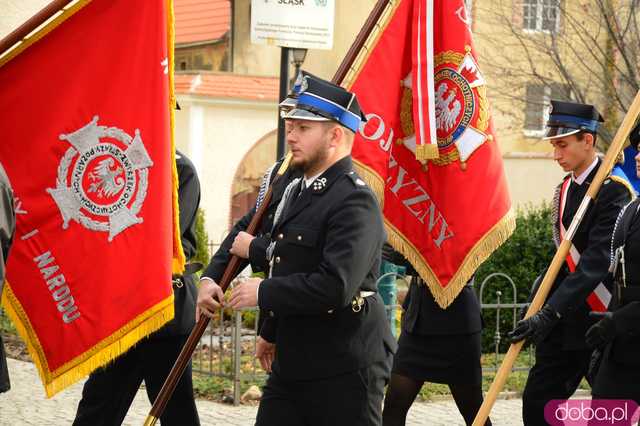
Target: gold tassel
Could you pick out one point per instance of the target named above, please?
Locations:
(427, 152)
(500, 232)
(179, 259)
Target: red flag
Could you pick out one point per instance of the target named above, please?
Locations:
(87, 117)
(419, 81)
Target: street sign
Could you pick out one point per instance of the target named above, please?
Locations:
(304, 24)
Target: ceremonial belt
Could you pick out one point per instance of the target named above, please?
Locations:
(600, 298)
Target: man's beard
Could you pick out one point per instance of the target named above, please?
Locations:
(315, 159)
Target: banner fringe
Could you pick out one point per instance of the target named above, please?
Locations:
(106, 351)
(179, 259)
(427, 152)
(493, 239)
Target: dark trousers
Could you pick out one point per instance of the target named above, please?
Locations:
(352, 399)
(4, 371)
(556, 374)
(109, 391)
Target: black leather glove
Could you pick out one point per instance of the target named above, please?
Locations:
(594, 366)
(535, 328)
(602, 332)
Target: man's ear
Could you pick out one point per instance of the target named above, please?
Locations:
(336, 134)
(588, 138)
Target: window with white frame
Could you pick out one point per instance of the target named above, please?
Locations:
(541, 15)
(537, 105)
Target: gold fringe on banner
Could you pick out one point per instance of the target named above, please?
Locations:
(179, 258)
(104, 352)
(427, 151)
(493, 239)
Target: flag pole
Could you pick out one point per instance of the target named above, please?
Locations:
(189, 347)
(360, 40)
(561, 254)
(21, 33)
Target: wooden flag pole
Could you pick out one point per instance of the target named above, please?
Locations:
(20, 33)
(561, 254)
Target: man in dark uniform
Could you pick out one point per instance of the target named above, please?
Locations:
(436, 345)
(562, 355)
(617, 335)
(7, 229)
(326, 322)
(109, 391)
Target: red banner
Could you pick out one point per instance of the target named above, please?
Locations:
(446, 208)
(87, 117)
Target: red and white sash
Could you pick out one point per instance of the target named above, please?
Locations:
(600, 298)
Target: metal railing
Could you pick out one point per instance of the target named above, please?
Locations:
(235, 334)
(227, 349)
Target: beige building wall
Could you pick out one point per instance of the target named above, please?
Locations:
(15, 12)
(216, 134)
(531, 172)
(532, 178)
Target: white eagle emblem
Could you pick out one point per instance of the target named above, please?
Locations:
(447, 109)
(106, 181)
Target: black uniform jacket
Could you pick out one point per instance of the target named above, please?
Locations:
(625, 348)
(7, 221)
(593, 240)
(327, 249)
(188, 202)
(258, 248)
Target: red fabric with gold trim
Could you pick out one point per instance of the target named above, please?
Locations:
(445, 214)
(86, 122)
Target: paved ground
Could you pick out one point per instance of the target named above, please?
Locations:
(25, 404)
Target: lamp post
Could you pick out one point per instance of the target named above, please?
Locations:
(284, 89)
(296, 56)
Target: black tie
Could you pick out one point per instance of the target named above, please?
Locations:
(303, 186)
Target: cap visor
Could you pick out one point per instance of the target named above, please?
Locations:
(301, 114)
(288, 102)
(559, 132)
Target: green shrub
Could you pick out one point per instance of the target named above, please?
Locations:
(523, 257)
(202, 240)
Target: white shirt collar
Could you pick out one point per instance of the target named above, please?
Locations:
(580, 179)
(309, 180)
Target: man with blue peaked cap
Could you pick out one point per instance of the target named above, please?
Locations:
(558, 329)
(325, 322)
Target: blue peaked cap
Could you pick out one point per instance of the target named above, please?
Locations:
(320, 100)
